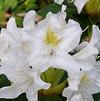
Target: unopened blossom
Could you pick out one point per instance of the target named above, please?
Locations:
(78, 3)
(15, 45)
(92, 8)
(53, 40)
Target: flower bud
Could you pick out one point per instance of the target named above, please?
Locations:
(93, 8)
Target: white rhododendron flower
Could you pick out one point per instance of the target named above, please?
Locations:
(53, 41)
(24, 49)
(27, 52)
(78, 3)
(89, 84)
(90, 70)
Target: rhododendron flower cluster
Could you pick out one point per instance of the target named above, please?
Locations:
(27, 52)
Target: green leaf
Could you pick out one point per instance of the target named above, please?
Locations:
(96, 97)
(53, 76)
(50, 8)
(50, 98)
(4, 81)
(10, 4)
(57, 79)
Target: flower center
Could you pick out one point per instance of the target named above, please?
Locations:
(85, 78)
(51, 38)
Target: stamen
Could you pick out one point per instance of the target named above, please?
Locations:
(51, 52)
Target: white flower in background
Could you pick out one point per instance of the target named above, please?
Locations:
(87, 51)
(59, 1)
(89, 84)
(53, 40)
(78, 3)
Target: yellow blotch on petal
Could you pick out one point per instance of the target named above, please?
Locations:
(51, 38)
(85, 78)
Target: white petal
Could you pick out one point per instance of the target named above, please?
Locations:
(42, 85)
(87, 64)
(91, 88)
(70, 36)
(86, 52)
(80, 4)
(77, 98)
(60, 61)
(98, 67)
(81, 46)
(94, 77)
(29, 20)
(86, 57)
(9, 73)
(72, 95)
(86, 96)
(95, 36)
(9, 92)
(32, 94)
(11, 36)
(8, 37)
(59, 1)
(4, 42)
(68, 93)
(13, 31)
(11, 25)
(54, 21)
(71, 67)
(40, 61)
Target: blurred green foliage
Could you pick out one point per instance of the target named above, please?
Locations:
(16, 8)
